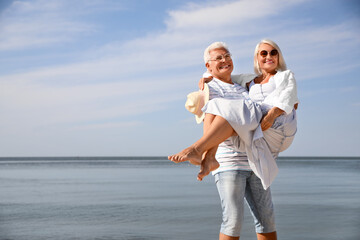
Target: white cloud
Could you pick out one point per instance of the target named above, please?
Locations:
(220, 14)
(39, 23)
(79, 87)
(43, 104)
(103, 126)
(119, 84)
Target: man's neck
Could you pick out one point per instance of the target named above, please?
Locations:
(226, 79)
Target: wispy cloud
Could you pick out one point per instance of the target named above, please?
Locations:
(64, 74)
(39, 23)
(108, 85)
(103, 126)
(219, 14)
(44, 104)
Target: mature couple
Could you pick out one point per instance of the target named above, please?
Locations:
(248, 120)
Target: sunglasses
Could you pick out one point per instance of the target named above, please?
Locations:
(264, 53)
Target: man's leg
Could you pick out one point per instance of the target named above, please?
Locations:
(262, 209)
(231, 187)
(226, 237)
(267, 236)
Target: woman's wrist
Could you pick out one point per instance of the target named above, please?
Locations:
(275, 112)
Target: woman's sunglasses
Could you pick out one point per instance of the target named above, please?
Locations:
(264, 53)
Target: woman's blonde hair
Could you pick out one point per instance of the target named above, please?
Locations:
(281, 65)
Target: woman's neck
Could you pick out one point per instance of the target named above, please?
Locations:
(265, 77)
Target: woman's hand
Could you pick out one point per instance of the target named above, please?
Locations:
(267, 122)
(269, 118)
(203, 81)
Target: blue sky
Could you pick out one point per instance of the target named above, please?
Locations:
(110, 78)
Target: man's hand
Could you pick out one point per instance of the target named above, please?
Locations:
(203, 81)
(296, 106)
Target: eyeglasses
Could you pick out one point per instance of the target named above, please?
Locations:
(273, 52)
(219, 58)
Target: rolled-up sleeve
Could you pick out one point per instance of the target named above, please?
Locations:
(287, 95)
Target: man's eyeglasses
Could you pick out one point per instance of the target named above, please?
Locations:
(219, 58)
(273, 52)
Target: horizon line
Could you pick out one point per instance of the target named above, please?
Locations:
(153, 158)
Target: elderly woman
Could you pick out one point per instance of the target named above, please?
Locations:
(274, 90)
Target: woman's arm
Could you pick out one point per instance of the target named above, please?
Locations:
(286, 94)
(269, 118)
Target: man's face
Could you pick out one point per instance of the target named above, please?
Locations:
(220, 64)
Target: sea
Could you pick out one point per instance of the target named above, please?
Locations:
(146, 198)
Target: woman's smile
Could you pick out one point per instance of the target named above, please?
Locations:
(269, 61)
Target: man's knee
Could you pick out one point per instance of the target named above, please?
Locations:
(231, 225)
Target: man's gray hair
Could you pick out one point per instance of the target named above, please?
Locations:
(215, 45)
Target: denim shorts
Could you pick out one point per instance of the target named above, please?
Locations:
(233, 187)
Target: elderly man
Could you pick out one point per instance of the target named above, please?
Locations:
(234, 176)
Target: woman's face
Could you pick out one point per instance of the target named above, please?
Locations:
(268, 58)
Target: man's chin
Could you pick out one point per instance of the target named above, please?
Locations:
(221, 75)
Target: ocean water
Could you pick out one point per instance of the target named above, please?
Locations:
(152, 198)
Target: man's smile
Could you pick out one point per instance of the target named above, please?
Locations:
(225, 66)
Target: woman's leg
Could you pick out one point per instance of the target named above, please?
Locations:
(218, 132)
(281, 134)
(209, 162)
(209, 118)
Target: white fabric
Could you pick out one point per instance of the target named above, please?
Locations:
(244, 116)
(258, 92)
(228, 158)
(281, 134)
(279, 137)
(285, 94)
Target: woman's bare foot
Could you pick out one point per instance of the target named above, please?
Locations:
(190, 154)
(207, 165)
